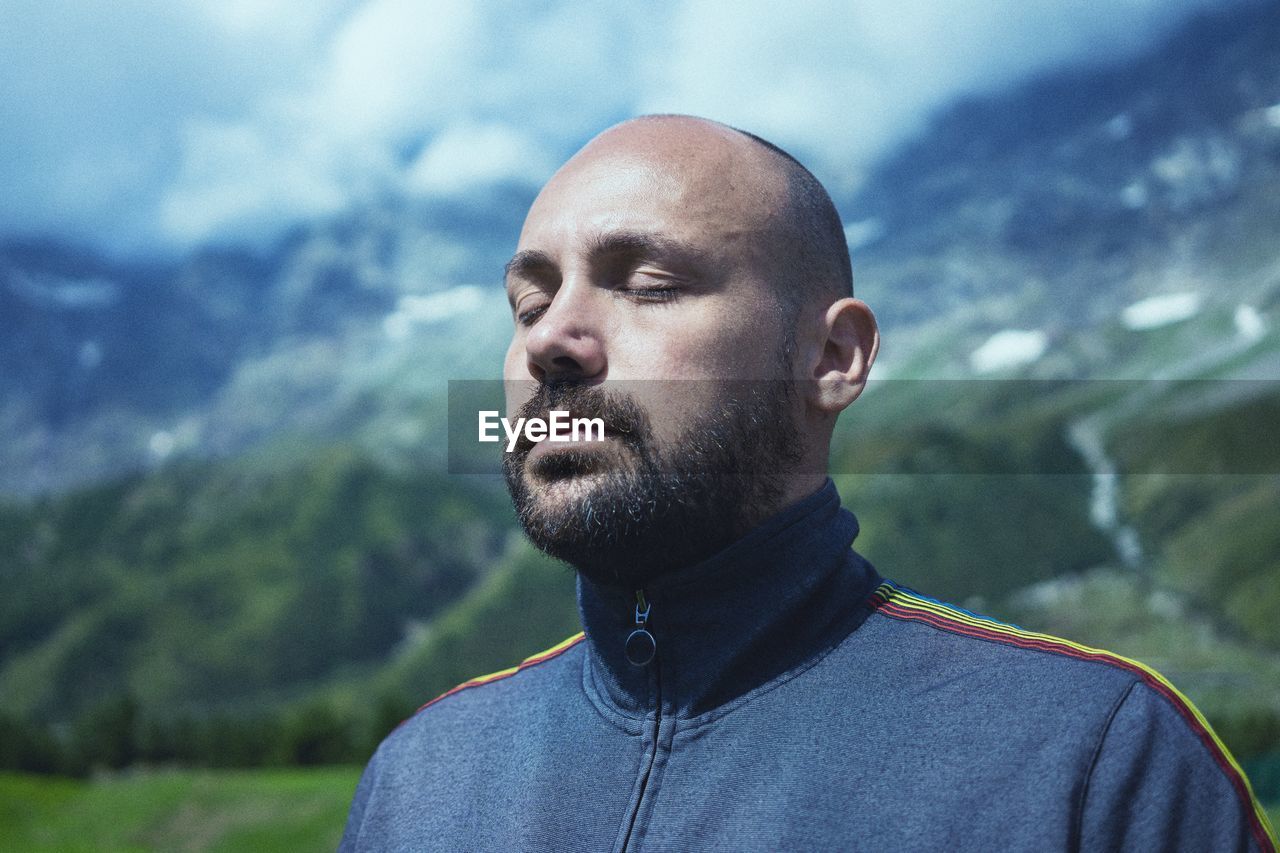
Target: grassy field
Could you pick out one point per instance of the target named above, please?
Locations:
(177, 810)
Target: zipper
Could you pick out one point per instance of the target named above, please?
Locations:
(641, 647)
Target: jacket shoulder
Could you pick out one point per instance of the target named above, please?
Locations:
(498, 689)
(902, 604)
(533, 660)
(1137, 701)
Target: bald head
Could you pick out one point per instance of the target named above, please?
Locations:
(748, 184)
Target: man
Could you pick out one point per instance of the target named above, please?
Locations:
(746, 681)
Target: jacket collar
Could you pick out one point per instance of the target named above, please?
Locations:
(771, 602)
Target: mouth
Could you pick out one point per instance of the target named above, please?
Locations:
(533, 449)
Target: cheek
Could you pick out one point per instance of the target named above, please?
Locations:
(720, 349)
(700, 366)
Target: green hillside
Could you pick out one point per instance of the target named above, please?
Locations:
(216, 585)
(252, 614)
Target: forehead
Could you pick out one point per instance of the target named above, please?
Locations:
(700, 189)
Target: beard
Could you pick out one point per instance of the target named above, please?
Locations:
(634, 510)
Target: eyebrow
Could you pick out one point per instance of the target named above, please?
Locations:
(528, 263)
(637, 244)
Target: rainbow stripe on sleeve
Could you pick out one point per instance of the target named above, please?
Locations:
(901, 603)
(545, 655)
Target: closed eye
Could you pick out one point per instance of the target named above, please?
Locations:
(651, 294)
(530, 316)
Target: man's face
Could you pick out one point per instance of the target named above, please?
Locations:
(642, 294)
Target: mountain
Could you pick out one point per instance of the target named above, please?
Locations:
(1079, 193)
(345, 328)
(1049, 209)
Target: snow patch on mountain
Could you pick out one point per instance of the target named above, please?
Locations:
(1008, 349)
(1250, 327)
(1163, 310)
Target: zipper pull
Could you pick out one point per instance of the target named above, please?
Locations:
(641, 646)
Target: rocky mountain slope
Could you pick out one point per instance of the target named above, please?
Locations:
(1045, 211)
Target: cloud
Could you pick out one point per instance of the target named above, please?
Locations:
(465, 155)
(240, 179)
(143, 124)
(841, 82)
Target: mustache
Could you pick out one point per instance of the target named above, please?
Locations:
(622, 416)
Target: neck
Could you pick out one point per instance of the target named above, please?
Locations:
(797, 487)
(685, 529)
(780, 595)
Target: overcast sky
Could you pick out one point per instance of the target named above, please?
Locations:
(157, 124)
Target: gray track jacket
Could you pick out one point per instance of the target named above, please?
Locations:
(795, 700)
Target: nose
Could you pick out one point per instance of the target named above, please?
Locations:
(566, 341)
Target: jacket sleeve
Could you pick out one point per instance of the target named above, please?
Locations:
(356, 816)
(1161, 780)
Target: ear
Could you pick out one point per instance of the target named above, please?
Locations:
(849, 340)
